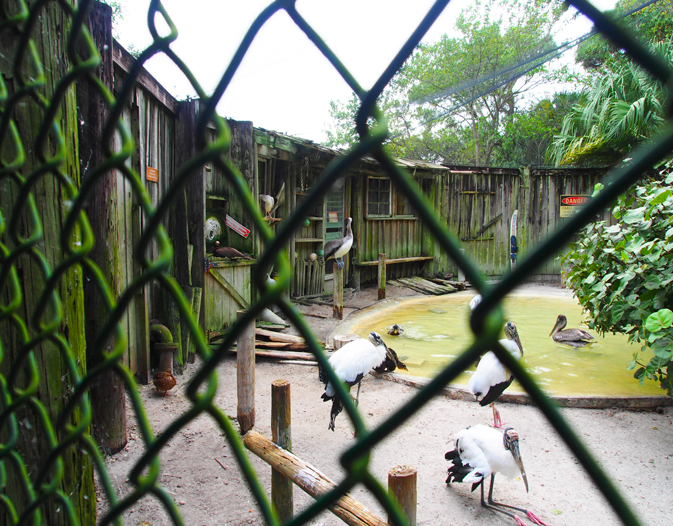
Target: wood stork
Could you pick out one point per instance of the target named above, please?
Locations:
(338, 248)
(574, 337)
(351, 363)
(268, 201)
(481, 451)
(491, 377)
(228, 252)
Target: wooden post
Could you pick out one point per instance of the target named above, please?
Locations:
(461, 273)
(382, 276)
(402, 485)
(310, 480)
(245, 377)
(338, 292)
(281, 487)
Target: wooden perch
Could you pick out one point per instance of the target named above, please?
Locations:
(282, 355)
(278, 336)
(310, 480)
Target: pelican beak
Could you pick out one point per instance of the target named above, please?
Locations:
(556, 326)
(514, 449)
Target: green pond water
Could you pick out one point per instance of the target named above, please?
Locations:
(436, 330)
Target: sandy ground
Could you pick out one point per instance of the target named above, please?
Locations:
(199, 471)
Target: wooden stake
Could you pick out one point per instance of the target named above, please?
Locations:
(338, 292)
(245, 377)
(402, 485)
(281, 487)
(382, 276)
(310, 480)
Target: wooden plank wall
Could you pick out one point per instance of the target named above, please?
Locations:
(150, 115)
(471, 199)
(220, 305)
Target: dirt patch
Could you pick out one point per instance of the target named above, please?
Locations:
(200, 474)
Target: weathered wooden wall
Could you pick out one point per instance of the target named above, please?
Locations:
(474, 198)
(227, 289)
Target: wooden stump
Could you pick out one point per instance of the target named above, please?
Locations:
(402, 485)
(338, 311)
(382, 276)
(342, 339)
(245, 377)
(281, 487)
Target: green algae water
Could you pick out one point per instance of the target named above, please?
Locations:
(436, 330)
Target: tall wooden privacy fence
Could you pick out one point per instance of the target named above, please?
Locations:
(65, 315)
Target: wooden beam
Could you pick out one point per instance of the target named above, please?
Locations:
(310, 480)
(231, 290)
(338, 308)
(279, 336)
(402, 485)
(395, 260)
(382, 277)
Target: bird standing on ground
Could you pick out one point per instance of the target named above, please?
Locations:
(351, 363)
(574, 337)
(338, 248)
(164, 381)
(481, 451)
(491, 377)
(268, 201)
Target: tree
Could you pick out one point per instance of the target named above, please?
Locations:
(653, 23)
(623, 108)
(528, 136)
(453, 99)
(622, 276)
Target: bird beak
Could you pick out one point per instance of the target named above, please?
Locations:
(514, 448)
(556, 326)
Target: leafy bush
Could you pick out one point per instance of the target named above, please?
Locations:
(622, 276)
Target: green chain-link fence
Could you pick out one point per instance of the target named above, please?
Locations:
(47, 455)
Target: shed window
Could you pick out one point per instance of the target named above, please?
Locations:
(383, 200)
(378, 197)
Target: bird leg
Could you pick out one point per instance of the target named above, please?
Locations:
(492, 504)
(340, 264)
(496, 417)
(357, 397)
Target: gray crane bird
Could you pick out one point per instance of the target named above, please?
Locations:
(338, 248)
(574, 337)
(480, 451)
(351, 363)
(491, 377)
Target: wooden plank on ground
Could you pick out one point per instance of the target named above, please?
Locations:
(279, 336)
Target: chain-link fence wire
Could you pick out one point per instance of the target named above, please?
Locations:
(44, 323)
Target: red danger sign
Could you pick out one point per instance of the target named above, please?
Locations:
(570, 204)
(574, 200)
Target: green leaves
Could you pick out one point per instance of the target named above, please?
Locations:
(622, 275)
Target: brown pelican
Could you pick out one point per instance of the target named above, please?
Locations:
(228, 252)
(338, 248)
(491, 378)
(481, 451)
(574, 337)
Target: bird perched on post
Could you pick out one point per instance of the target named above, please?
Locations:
(351, 363)
(228, 252)
(574, 337)
(268, 201)
(481, 451)
(491, 377)
(338, 248)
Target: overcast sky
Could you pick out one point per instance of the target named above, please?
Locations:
(284, 83)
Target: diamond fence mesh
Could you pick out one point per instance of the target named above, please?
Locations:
(47, 454)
